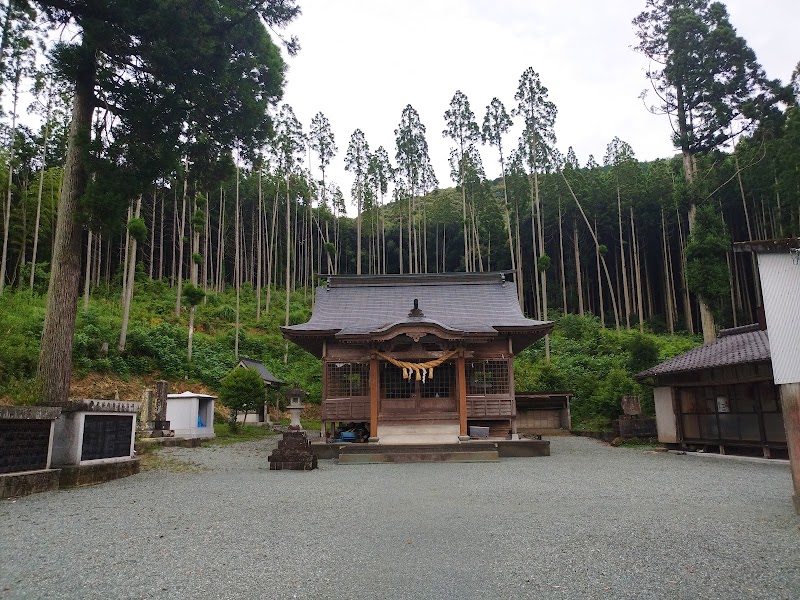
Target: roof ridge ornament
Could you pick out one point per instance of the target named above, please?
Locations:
(416, 312)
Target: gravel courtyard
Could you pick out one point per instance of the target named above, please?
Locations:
(589, 521)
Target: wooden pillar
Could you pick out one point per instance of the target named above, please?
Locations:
(461, 375)
(790, 405)
(374, 392)
(512, 390)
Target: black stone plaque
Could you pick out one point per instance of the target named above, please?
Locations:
(106, 436)
(23, 445)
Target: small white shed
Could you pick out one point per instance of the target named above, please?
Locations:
(191, 415)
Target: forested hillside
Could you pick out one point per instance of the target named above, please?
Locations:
(199, 189)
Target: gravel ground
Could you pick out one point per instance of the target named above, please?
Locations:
(589, 521)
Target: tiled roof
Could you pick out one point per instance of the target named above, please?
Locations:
(731, 349)
(262, 370)
(464, 303)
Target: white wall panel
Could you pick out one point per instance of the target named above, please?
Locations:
(780, 283)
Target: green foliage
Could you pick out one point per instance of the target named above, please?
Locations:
(197, 258)
(198, 220)
(242, 390)
(192, 294)
(597, 365)
(138, 229)
(706, 265)
(643, 351)
(544, 263)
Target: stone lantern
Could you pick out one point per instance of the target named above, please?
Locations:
(295, 396)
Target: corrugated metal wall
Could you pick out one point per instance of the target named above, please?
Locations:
(780, 282)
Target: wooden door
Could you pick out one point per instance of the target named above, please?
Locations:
(408, 397)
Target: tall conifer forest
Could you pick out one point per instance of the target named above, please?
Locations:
(177, 188)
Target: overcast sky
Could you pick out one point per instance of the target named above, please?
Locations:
(363, 61)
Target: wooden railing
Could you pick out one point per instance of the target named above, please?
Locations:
(489, 406)
(345, 409)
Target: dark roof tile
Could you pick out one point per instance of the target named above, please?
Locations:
(736, 349)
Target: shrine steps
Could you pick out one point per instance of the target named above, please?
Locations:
(358, 454)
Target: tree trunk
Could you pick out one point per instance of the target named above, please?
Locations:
(7, 212)
(625, 288)
(288, 246)
(182, 234)
(152, 236)
(638, 273)
(129, 282)
(161, 244)
(55, 360)
(41, 189)
(237, 264)
(124, 259)
(259, 242)
(599, 257)
(578, 271)
(706, 316)
(561, 258)
(87, 283)
(687, 305)
(669, 308)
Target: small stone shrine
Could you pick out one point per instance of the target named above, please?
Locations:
(632, 423)
(293, 453)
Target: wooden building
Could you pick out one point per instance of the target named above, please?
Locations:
(418, 358)
(720, 396)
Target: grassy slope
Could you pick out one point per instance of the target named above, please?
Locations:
(597, 364)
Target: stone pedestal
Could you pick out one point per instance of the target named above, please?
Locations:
(293, 453)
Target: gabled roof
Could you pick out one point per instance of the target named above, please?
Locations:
(268, 377)
(459, 305)
(738, 346)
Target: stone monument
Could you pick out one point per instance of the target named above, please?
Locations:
(159, 424)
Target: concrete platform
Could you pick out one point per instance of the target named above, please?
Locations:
(78, 476)
(418, 455)
(458, 452)
(24, 483)
(400, 433)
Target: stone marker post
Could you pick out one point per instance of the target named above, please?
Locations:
(160, 425)
(146, 411)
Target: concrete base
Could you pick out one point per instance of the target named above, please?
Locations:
(28, 482)
(438, 456)
(796, 499)
(77, 476)
(504, 449)
(143, 444)
(419, 433)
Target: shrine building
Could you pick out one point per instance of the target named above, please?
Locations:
(418, 358)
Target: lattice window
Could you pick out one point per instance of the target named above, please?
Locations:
(487, 377)
(392, 383)
(346, 380)
(440, 385)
